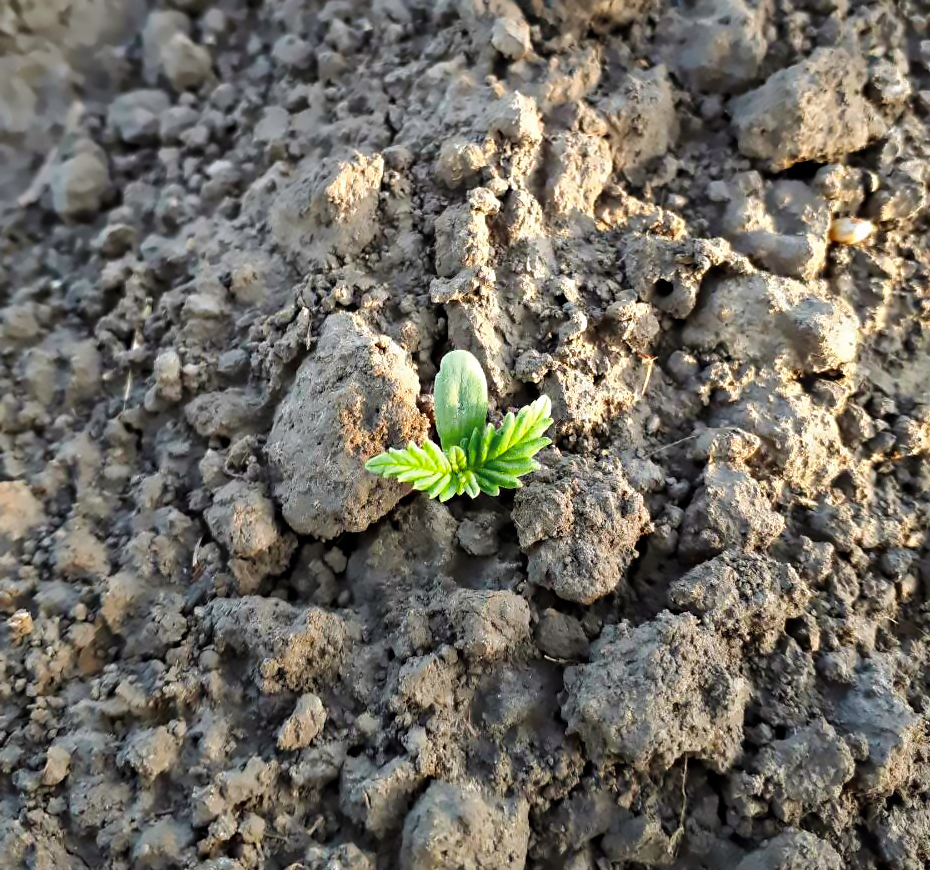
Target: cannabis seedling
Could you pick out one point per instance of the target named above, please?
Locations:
(474, 457)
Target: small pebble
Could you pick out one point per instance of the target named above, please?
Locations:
(850, 231)
(303, 725)
(20, 623)
(57, 763)
(511, 37)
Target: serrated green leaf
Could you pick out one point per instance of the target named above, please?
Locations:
(420, 478)
(484, 446)
(526, 449)
(438, 487)
(473, 446)
(500, 478)
(515, 467)
(422, 467)
(436, 456)
(377, 464)
(471, 484)
(458, 460)
(503, 437)
(449, 489)
(479, 459)
(487, 486)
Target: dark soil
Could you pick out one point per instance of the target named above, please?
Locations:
(236, 238)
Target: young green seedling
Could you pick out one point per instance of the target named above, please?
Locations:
(474, 456)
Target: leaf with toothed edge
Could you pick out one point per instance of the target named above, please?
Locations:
(486, 459)
(425, 468)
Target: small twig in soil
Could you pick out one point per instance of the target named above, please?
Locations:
(307, 341)
(650, 365)
(138, 339)
(560, 661)
(691, 438)
(197, 567)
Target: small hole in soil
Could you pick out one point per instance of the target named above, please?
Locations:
(809, 380)
(893, 801)
(663, 288)
(795, 628)
(845, 482)
(804, 171)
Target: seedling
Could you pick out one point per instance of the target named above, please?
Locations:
(474, 456)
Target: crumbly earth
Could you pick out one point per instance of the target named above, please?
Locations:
(236, 238)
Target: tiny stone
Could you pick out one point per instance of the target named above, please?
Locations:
(224, 96)
(511, 37)
(80, 184)
(294, 52)
(252, 828)
(57, 762)
(174, 121)
(233, 363)
(336, 560)
(168, 376)
(682, 366)
(116, 240)
(303, 725)
(20, 623)
(135, 116)
(561, 636)
(209, 660)
(214, 22)
(273, 125)
(186, 64)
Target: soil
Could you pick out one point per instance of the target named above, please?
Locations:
(236, 238)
